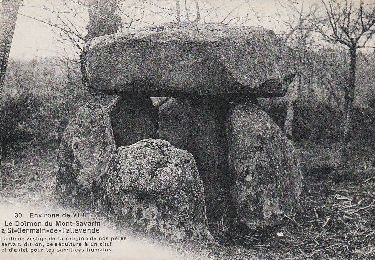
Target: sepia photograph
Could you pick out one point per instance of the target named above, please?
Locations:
(187, 129)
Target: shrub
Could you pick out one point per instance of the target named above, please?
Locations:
(313, 121)
(16, 113)
(317, 122)
(363, 126)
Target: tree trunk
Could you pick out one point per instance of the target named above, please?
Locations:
(292, 97)
(82, 63)
(103, 19)
(198, 18)
(8, 18)
(348, 106)
(178, 11)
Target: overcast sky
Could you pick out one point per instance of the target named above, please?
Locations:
(36, 39)
(33, 38)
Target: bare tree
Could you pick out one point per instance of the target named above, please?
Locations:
(103, 18)
(68, 20)
(8, 18)
(178, 11)
(187, 11)
(350, 24)
(298, 35)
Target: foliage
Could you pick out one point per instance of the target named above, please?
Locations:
(320, 122)
(316, 122)
(16, 113)
(364, 126)
(39, 97)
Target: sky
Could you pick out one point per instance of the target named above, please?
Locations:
(31, 38)
(34, 39)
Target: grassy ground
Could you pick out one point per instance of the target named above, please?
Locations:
(336, 219)
(28, 174)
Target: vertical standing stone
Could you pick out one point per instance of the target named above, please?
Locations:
(208, 145)
(268, 179)
(199, 126)
(85, 153)
(91, 140)
(176, 122)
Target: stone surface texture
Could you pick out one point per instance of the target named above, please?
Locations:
(86, 149)
(268, 179)
(92, 136)
(198, 126)
(156, 189)
(193, 59)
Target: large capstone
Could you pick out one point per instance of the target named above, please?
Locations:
(268, 180)
(156, 189)
(194, 59)
(90, 141)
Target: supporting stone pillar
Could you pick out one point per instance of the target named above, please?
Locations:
(91, 139)
(85, 153)
(268, 179)
(199, 126)
(209, 146)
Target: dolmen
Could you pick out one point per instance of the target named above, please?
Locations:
(206, 160)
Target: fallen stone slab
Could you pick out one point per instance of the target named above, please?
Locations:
(191, 60)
